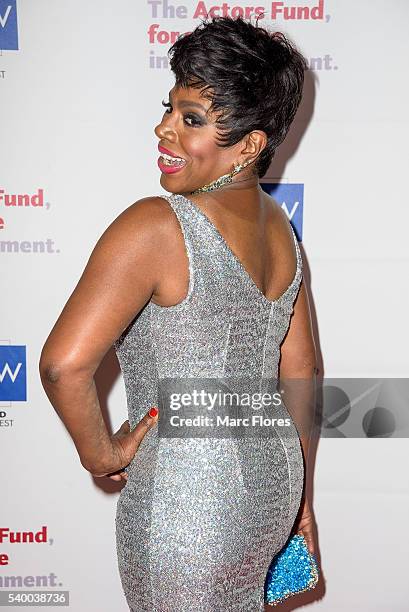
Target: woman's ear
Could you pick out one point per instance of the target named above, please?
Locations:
(254, 144)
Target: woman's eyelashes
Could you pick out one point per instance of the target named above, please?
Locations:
(193, 118)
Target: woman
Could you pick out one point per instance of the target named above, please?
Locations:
(199, 284)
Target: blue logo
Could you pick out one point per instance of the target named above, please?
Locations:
(290, 196)
(8, 25)
(13, 374)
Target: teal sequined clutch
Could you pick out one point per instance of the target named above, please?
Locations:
(293, 570)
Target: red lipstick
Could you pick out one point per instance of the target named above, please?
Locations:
(168, 168)
(163, 150)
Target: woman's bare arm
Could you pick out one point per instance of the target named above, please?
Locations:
(297, 378)
(123, 272)
(298, 368)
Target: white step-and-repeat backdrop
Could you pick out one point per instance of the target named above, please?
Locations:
(81, 85)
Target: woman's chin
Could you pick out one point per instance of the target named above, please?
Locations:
(169, 183)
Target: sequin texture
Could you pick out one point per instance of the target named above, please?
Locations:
(199, 521)
(294, 570)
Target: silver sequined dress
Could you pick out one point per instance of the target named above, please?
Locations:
(199, 521)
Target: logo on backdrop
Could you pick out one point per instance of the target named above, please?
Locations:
(11, 577)
(23, 199)
(291, 198)
(8, 25)
(33, 200)
(168, 19)
(13, 373)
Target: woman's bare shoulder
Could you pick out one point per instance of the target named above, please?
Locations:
(148, 218)
(147, 210)
(280, 217)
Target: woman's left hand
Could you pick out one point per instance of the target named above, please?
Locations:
(304, 524)
(120, 474)
(125, 444)
(120, 434)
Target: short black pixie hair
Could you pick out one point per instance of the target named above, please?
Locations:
(253, 78)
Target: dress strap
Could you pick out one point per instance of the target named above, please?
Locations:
(298, 252)
(177, 208)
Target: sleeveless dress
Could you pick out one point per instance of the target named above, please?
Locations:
(199, 521)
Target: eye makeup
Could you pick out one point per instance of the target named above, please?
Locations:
(195, 120)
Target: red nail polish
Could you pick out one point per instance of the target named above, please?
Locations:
(153, 412)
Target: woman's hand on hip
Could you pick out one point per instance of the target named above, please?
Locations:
(125, 443)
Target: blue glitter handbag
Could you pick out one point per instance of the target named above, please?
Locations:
(292, 571)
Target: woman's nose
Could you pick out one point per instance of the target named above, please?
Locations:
(164, 134)
(164, 130)
(158, 130)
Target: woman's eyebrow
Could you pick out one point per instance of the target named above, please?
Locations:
(187, 103)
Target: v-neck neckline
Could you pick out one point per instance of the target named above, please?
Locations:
(236, 259)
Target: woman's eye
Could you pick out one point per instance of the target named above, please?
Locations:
(193, 119)
(190, 120)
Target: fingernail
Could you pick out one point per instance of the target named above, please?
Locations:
(153, 412)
